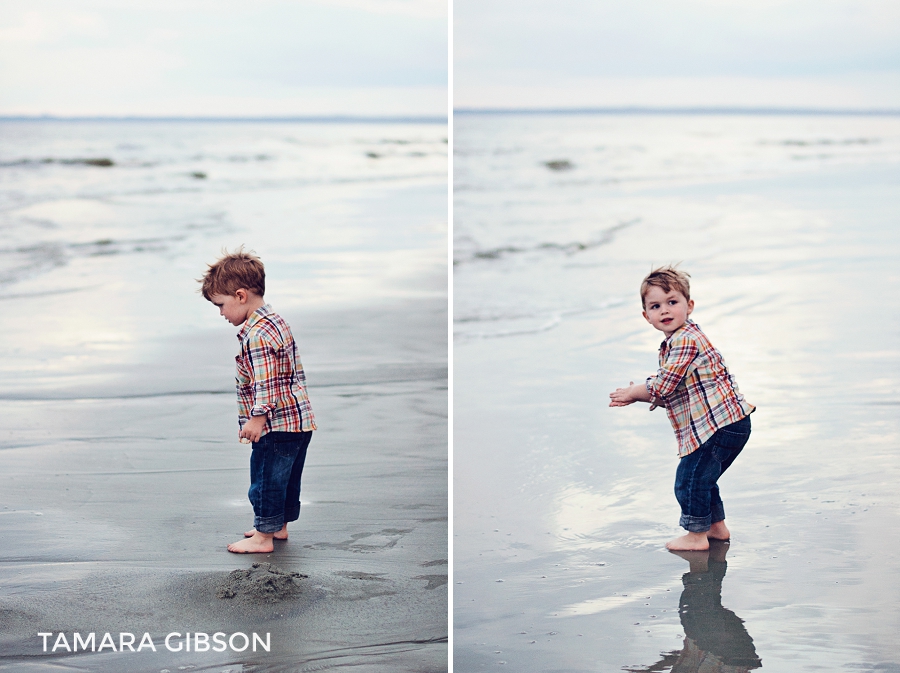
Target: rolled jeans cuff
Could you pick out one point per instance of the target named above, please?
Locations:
(268, 524)
(695, 524)
(718, 512)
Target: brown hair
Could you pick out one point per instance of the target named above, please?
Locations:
(667, 278)
(234, 271)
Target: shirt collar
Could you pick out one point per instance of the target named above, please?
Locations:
(665, 342)
(252, 319)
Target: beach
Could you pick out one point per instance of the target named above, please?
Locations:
(562, 506)
(123, 475)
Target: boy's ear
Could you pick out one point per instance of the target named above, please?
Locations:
(646, 317)
(690, 306)
(241, 295)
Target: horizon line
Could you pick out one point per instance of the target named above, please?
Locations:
(686, 110)
(336, 118)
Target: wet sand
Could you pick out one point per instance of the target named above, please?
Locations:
(562, 505)
(117, 508)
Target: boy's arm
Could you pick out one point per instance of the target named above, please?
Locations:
(678, 362)
(657, 388)
(262, 357)
(622, 397)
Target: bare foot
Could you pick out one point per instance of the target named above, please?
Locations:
(689, 542)
(719, 531)
(260, 543)
(280, 535)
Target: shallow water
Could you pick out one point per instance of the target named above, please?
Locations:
(335, 227)
(562, 505)
(122, 476)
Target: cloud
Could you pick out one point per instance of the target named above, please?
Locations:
(501, 43)
(305, 101)
(427, 9)
(866, 91)
(107, 55)
(33, 27)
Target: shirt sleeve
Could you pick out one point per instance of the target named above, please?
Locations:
(262, 353)
(681, 355)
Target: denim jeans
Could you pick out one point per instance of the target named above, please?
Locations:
(698, 472)
(276, 465)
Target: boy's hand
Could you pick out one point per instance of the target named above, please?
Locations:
(633, 393)
(622, 396)
(253, 428)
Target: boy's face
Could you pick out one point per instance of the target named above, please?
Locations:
(666, 311)
(234, 308)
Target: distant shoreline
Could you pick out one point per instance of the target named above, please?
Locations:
(322, 119)
(638, 110)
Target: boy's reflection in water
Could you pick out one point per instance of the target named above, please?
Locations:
(715, 640)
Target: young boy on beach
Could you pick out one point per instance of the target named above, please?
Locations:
(273, 408)
(710, 417)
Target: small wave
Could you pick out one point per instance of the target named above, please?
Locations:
(490, 318)
(108, 246)
(546, 326)
(102, 162)
(107, 190)
(63, 395)
(242, 159)
(46, 293)
(605, 237)
(791, 142)
(28, 261)
(559, 165)
(515, 324)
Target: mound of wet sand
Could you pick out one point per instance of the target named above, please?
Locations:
(260, 582)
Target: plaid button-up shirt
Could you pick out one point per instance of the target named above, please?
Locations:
(693, 382)
(270, 379)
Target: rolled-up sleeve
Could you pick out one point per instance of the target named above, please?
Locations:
(678, 360)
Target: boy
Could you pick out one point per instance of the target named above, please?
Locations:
(273, 408)
(710, 417)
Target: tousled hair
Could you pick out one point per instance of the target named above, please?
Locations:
(234, 271)
(667, 278)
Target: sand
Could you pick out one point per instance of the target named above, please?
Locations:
(119, 499)
(260, 582)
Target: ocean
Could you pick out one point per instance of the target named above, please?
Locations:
(788, 225)
(106, 226)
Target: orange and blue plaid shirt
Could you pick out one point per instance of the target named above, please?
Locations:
(699, 393)
(270, 379)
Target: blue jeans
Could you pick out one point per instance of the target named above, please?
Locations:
(276, 465)
(698, 472)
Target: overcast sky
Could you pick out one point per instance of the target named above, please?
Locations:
(223, 57)
(576, 53)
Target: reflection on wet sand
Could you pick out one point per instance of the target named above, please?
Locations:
(715, 640)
